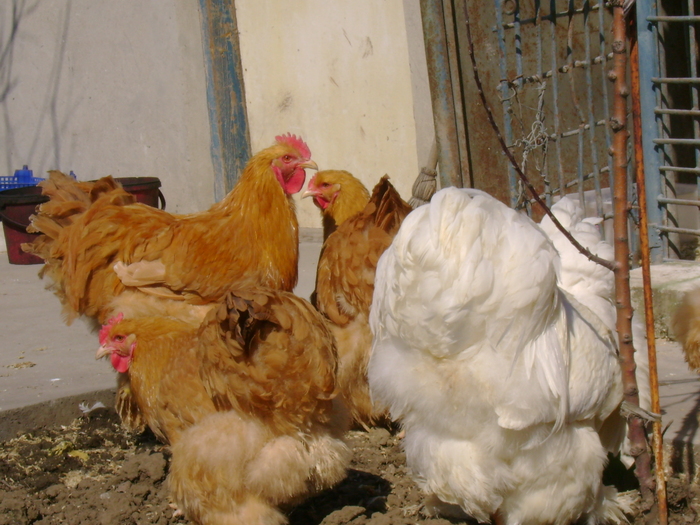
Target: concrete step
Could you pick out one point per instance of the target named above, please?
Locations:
(669, 282)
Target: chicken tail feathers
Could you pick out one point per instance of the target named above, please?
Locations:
(390, 208)
(69, 201)
(269, 353)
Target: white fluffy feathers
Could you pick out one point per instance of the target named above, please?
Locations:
(501, 377)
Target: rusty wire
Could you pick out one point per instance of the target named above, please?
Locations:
(536, 138)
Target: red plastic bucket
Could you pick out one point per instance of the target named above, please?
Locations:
(145, 189)
(18, 204)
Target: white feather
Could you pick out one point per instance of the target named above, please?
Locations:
(500, 376)
(594, 285)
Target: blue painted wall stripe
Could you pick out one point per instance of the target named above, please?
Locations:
(228, 119)
(648, 69)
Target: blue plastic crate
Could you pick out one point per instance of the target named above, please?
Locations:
(21, 178)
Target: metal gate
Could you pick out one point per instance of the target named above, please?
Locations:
(554, 90)
(671, 124)
(545, 68)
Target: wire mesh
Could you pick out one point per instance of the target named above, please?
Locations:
(556, 97)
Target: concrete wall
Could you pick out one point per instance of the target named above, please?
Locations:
(119, 87)
(108, 88)
(338, 73)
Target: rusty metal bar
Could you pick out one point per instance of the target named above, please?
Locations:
(684, 202)
(682, 142)
(555, 103)
(548, 190)
(673, 18)
(591, 119)
(504, 88)
(679, 169)
(580, 170)
(602, 33)
(457, 100)
(672, 229)
(687, 112)
(441, 92)
(518, 41)
(657, 444)
(676, 80)
(636, 430)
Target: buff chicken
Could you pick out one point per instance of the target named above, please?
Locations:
(686, 327)
(108, 255)
(339, 196)
(246, 402)
(345, 275)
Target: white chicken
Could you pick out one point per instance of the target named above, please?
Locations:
(502, 380)
(591, 283)
(594, 286)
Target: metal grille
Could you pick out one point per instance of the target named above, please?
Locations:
(556, 98)
(671, 125)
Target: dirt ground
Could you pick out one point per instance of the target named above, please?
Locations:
(94, 472)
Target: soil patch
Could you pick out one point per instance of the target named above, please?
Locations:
(94, 472)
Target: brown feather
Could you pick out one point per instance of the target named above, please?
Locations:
(269, 354)
(88, 227)
(246, 402)
(346, 196)
(127, 407)
(344, 288)
(686, 327)
(162, 388)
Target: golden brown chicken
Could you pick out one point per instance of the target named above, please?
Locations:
(339, 196)
(158, 356)
(345, 282)
(686, 327)
(246, 401)
(109, 255)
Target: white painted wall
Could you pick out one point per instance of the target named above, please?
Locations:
(339, 74)
(108, 88)
(118, 87)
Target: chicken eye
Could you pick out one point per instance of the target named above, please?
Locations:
(287, 158)
(325, 184)
(119, 338)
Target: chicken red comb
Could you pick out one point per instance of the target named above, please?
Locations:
(295, 142)
(104, 331)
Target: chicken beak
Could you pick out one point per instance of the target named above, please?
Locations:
(309, 193)
(103, 351)
(309, 164)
